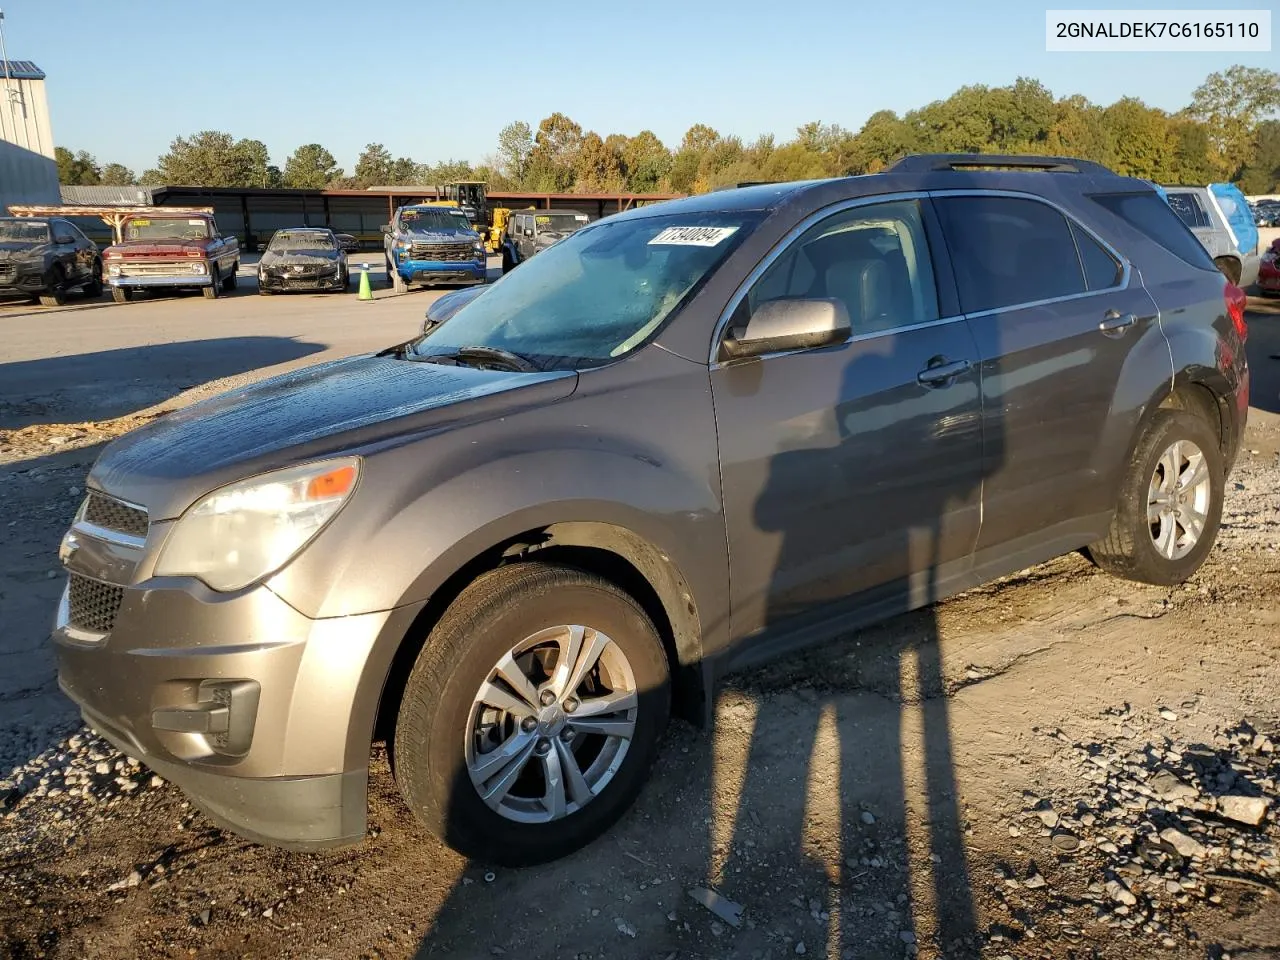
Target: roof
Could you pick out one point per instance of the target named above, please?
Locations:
(762, 197)
(21, 70)
(100, 196)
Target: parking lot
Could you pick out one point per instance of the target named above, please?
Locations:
(961, 781)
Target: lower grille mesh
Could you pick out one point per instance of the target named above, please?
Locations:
(92, 605)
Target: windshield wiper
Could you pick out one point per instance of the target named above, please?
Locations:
(482, 353)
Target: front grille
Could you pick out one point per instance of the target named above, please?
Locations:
(111, 514)
(443, 252)
(92, 605)
(156, 268)
(8, 273)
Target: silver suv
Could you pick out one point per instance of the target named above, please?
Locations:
(1223, 222)
(681, 440)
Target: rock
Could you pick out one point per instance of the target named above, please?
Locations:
(1167, 786)
(868, 817)
(205, 914)
(1048, 817)
(1187, 846)
(1246, 810)
(624, 928)
(1034, 882)
(1066, 842)
(906, 936)
(800, 948)
(1168, 714)
(1120, 893)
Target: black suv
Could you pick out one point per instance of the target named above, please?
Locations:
(45, 259)
(681, 440)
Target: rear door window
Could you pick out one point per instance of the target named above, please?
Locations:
(1189, 209)
(1101, 269)
(1008, 251)
(1151, 215)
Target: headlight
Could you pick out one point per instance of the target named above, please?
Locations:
(479, 248)
(197, 267)
(246, 530)
(113, 269)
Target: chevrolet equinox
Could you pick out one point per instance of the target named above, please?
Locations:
(684, 439)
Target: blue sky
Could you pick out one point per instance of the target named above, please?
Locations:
(126, 76)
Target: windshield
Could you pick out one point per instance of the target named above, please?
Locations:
(597, 294)
(300, 240)
(24, 231)
(560, 223)
(421, 221)
(166, 229)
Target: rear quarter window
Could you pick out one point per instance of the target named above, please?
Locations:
(1153, 217)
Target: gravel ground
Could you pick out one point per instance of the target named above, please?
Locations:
(1055, 765)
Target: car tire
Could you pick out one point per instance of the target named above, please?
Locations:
(233, 278)
(121, 294)
(93, 289)
(56, 294)
(443, 722)
(1175, 475)
(214, 288)
(1230, 268)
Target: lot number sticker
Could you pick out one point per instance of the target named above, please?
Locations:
(692, 236)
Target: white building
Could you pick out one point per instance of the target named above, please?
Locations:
(28, 171)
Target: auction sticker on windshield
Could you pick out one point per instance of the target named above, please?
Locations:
(692, 236)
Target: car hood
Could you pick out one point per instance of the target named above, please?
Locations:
(346, 405)
(20, 249)
(156, 244)
(299, 256)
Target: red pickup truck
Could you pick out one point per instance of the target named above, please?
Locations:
(173, 251)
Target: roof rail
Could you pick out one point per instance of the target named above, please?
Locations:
(744, 183)
(925, 162)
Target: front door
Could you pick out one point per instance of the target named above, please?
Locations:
(856, 467)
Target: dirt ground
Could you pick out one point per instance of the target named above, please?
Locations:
(1056, 765)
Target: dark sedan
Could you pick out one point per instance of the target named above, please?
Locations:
(303, 258)
(44, 259)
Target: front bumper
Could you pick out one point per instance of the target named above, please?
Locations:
(16, 283)
(284, 282)
(287, 763)
(442, 270)
(177, 280)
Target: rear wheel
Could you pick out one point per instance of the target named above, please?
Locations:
(1230, 268)
(531, 718)
(121, 294)
(94, 287)
(1170, 503)
(56, 295)
(233, 277)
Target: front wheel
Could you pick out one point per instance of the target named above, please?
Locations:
(532, 716)
(1170, 503)
(93, 288)
(56, 295)
(121, 294)
(215, 284)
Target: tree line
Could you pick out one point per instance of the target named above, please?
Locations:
(1227, 132)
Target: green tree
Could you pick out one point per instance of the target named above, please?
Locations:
(646, 161)
(1231, 103)
(311, 167)
(515, 144)
(76, 169)
(1261, 173)
(1142, 140)
(117, 175)
(373, 166)
(596, 167)
(212, 158)
(555, 152)
(447, 171)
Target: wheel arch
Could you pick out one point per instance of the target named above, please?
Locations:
(616, 553)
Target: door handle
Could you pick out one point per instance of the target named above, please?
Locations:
(1116, 323)
(941, 371)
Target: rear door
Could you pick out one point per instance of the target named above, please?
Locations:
(1056, 314)
(1190, 208)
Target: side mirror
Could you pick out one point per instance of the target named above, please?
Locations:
(794, 324)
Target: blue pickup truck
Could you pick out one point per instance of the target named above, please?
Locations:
(433, 244)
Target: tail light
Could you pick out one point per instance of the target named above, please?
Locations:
(1236, 302)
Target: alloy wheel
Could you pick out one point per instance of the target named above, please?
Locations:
(1178, 499)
